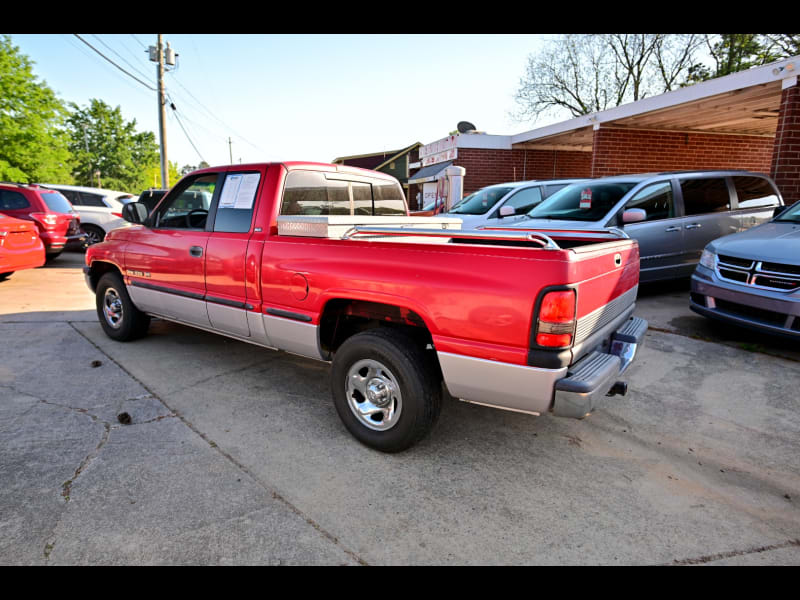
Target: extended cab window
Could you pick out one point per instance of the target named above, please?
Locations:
(236, 202)
(656, 200)
(187, 206)
(754, 192)
(309, 193)
(388, 198)
(701, 196)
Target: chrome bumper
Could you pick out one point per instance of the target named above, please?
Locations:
(596, 374)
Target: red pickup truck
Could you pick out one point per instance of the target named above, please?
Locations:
(323, 261)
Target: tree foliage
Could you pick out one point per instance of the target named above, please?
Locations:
(101, 140)
(584, 73)
(33, 143)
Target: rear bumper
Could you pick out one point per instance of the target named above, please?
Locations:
(592, 377)
(566, 391)
(56, 243)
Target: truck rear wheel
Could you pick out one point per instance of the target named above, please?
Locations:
(385, 391)
(119, 318)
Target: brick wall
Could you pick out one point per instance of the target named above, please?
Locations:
(620, 151)
(487, 167)
(786, 154)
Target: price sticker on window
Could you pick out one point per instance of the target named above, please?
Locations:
(586, 198)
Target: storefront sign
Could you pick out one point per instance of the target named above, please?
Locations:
(439, 157)
(448, 143)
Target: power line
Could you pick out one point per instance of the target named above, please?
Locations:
(113, 63)
(121, 57)
(175, 112)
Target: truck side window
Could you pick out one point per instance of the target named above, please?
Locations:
(701, 196)
(388, 198)
(187, 206)
(754, 192)
(656, 200)
(310, 193)
(237, 202)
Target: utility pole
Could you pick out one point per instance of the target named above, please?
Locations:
(230, 150)
(157, 55)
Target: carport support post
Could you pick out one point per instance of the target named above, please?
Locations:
(785, 169)
(455, 177)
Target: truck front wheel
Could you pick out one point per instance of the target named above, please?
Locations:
(119, 318)
(386, 392)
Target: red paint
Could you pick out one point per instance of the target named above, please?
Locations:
(475, 300)
(20, 245)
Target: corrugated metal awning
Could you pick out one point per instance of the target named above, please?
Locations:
(429, 173)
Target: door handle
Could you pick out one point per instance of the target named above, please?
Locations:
(693, 226)
(196, 251)
(673, 228)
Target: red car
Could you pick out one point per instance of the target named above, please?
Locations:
(20, 246)
(56, 221)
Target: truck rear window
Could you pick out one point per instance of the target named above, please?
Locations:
(311, 193)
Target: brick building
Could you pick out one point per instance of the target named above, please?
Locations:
(747, 120)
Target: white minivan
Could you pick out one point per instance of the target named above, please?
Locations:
(504, 203)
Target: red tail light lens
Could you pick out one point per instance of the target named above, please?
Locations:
(47, 220)
(556, 322)
(117, 214)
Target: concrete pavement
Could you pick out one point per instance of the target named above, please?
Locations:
(235, 454)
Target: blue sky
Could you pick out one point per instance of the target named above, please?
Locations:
(294, 97)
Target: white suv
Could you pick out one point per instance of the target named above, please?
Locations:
(100, 210)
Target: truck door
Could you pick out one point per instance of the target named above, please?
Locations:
(165, 261)
(226, 252)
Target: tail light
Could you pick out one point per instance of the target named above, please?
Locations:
(555, 325)
(46, 220)
(117, 214)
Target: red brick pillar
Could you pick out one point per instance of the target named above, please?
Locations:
(786, 150)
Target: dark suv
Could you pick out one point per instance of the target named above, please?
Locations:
(57, 222)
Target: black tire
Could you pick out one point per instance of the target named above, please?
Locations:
(51, 256)
(406, 370)
(6, 275)
(94, 234)
(124, 322)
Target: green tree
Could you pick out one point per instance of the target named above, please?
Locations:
(33, 143)
(733, 52)
(101, 140)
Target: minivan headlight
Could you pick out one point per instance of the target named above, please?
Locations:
(708, 259)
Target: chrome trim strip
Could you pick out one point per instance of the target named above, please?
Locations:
(499, 385)
(602, 316)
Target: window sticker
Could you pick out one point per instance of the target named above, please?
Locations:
(239, 190)
(586, 198)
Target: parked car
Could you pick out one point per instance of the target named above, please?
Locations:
(752, 279)
(56, 221)
(504, 203)
(100, 209)
(673, 216)
(399, 305)
(20, 246)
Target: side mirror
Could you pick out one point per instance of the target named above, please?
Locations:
(634, 215)
(507, 211)
(135, 212)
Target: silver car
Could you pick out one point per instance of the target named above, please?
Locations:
(504, 203)
(752, 279)
(672, 215)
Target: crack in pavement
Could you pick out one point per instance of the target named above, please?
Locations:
(274, 493)
(719, 556)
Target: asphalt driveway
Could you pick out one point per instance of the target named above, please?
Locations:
(234, 454)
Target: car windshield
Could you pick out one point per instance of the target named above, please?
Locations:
(790, 214)
(480, 202)
(582, 201)
(56, 202)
